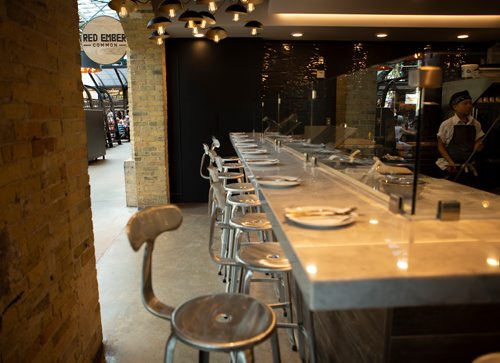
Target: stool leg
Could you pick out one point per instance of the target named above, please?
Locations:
(275, 347)
(203, 357)
(245, 284)
(169, 348)
(245, 356)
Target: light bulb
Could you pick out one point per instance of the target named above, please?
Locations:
(203, 24)
(244, 1)
(251, 7)
(191, 24)
(254, 31)
(212, 7)
(123, 12)
(216, 38)
(236, 17)
(195, 30)
(161, 30)
(171, 13)
(159, 40)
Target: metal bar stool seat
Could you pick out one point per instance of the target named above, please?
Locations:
(222, 323)
(251, 222)
(232, 323)
(244, 202)
(239, 188)
(230, 159)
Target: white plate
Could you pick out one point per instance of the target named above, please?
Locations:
(278, 181)
(326, 221)
(255, 157)
(254, 151)
(262, 162)
(246, 145)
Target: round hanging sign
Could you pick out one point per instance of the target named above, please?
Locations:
(103, 40)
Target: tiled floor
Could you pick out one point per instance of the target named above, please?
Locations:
(181, 269)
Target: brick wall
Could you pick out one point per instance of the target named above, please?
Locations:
(147, 95)
(48, 290)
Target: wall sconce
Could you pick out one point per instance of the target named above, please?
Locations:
(216, 34)
(236, 10)
(254, 26)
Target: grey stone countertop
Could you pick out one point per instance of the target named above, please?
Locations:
(382, 259)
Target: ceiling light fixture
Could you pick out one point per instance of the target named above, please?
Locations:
(382, 35)
(158, 38)
(236, 10)
(297, 35)
(123, 7)
(254, 26)
(216, 34)
(463, 36)
(159, 24)
(170, 7)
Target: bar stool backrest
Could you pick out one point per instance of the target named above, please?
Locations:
(144, 227)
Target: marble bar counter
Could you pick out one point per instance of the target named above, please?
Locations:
(370, 278)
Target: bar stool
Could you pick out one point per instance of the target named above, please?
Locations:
(244, 202)
(231, 323)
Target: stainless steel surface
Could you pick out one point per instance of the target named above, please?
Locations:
(251, 221)
(263, 257)
(239, 187)
(223, 322)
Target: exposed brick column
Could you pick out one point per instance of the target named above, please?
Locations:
(48, 285)
(147, 95)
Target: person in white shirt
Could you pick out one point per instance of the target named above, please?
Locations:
(459, 135)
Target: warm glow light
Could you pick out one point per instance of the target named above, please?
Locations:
(236, 17)
(373, 221)
(123, 13)
(161, 30)
(485, 203)
(203, 24)
(159, 40)
(216, 38)
(191, 24)
(297, 35)
(402, 264)
(251, 7)
(195, 30)
(463, 36)
(212, 6)
(312, 269)
(199, 35)
(391, 20)
(493, 262)
(171, 13)
(254, 31)
(382, 35)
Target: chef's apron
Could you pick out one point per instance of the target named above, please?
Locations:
(462, 143)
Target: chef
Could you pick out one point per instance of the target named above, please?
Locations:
(459, 135)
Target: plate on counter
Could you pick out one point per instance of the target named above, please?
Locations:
(306, 144)
(262, 162)
(315, 216)
(278, 181)
(244, 141)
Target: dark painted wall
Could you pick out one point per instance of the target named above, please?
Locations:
(212, 89)
(217, 88)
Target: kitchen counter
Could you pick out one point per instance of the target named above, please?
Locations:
(383, 259)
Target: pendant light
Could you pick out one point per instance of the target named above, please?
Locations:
(169, 7)
(190, 17)
(212, 4)
(254, 26)
(207, 19)
(236, 10)
(123, 7)
(158, 38)
(216, 34)
(159, 24)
